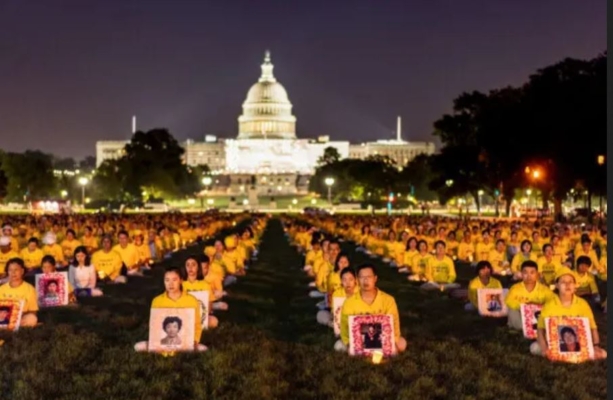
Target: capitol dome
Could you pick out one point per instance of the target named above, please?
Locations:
(267, 111)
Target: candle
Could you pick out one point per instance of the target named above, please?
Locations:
(377, 357)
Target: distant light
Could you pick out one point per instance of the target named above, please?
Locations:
(191, 201)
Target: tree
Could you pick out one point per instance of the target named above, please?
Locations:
(416, 177)
(330, 156)
(110, 179)
(29, 175)
(154, 161)
(88, 164)
(64, 164)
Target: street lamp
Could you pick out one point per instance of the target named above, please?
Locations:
(83, 181)
(206, 181)
(329, 182)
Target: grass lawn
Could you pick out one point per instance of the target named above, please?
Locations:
(269, 346)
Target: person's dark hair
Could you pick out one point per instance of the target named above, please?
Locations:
(122, 232)
(50, 282)
(366, 266)
(567, 329)
(203, 259)
(174, 269)
(33, 240)
(348, 270)
(199, 275)
(523, 242)
(420, 242)
(529, 264)
(334, 241)
(81, 249)
(16, 260)
(105, 237)
(500, 241)
(483, 264)
(74, 234)
(439, 242)
(546, 245)
(585, 238)
(48, 259)
(169, 320)
(340, 255)
(411, 239)
(584, 260)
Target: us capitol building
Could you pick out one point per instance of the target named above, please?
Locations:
(267, 156)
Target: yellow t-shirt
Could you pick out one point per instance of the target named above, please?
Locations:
(518, 260)
(32, 259)
(476, 284)
(483, 250)
(586, 284)
(25, 291)
(185, 301)
(109, 263)
(129, 255)
(518, 295)
(197, 286)
(383, 304)
(440, 271)
(68, 248)
(55, 250)
(419, 263)
(144, 252)
(548, 269)
(4, 257)
(578, 308)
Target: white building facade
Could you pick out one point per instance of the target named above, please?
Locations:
(267, 157)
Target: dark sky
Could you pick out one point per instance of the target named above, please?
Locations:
(73, 72)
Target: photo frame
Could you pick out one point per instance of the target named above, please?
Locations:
(52, 289)
(203, 299)
(569, 339)
(529, 316)
(337, 307)
(171, 329)
(369, 333)
(11, 311)
(492, 302)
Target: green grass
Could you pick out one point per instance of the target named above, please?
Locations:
(269, 346)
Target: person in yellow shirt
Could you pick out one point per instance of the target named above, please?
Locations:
(347, 289)
(108, 262)
(585, 249)
(143, 250)
(312, 256)
(175, 297)
(128, 253)
(529, 291)
(193, 280)
(586, 284)
(32, 255)
(525, 253)
(466, 248)
(6, 254)
(483, 248)
(420, 262)
(409, 252)
(566, 304)
(483, 280)
(548, 265)
(51, 248)
(89, 240)
(440, 270)
(69, 244)
(17, 289)
(327, 266)
(334, 277)
(369, 301)
(498, 258)
(7, 230)
(215, 281)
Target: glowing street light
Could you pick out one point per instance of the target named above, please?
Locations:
(83, 181)
(64, 193)
(536, 174)
(600, 160)
(329, 182)
(206, 181)
(449, 182)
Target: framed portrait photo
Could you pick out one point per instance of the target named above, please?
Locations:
(569, 339)
(52, 289)
(10, 314)
(529, 316)
(369, 333)
(337, 307)
(203, 298)
(171, 329)
(491, 302)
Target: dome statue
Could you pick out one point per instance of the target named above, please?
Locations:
(267, 111)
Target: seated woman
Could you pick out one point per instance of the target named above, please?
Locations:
(483, 280)
(586, 283)
(347, 289)
(175, 297)
(334, 277)
(419, 262)
(16, 288)
(193, 281)
(82, 274)
(215, 281)
(566, 303)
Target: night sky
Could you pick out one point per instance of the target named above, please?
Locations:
(73, 72)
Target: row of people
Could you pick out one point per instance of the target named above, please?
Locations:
(531, 290)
